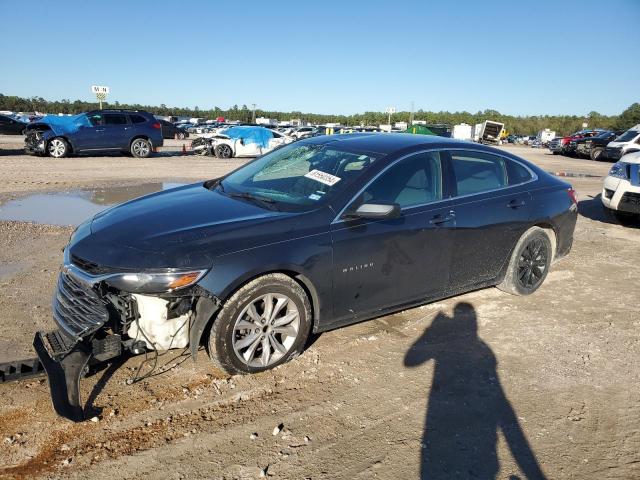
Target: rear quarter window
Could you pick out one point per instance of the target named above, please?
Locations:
(137, 119)
(517, 173)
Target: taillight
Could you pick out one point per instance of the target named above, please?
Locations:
(156, 125)
(573, 195)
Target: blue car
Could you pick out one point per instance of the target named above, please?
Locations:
(312, 236)
(136, 132)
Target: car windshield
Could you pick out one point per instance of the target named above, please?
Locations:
(299, 175)
(627, 136)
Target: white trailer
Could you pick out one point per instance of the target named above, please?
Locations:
(545, 136)
(488, 132)
(462, 131)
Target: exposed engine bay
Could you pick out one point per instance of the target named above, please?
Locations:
(98, 323)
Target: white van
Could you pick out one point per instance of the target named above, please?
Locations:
(628, 142)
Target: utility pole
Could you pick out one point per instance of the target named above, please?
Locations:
(253, 114)
(411, 117)
(390, 111)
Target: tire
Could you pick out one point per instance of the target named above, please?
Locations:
(57, 147)
(181, 136)
(242, 350)
(223, 151)
(141, 148)
(529, 264)
(596, 154)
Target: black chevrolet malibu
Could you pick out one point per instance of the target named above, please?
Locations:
(315, 235)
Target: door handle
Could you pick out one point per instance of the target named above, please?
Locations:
(438, 219)
(516, 203)
(100, 129)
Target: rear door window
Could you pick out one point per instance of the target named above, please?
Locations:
(115, 119)
(477, 172)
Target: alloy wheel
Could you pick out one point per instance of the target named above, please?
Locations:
(532, 264)
(141, 148)
(224, 151)
(57, 148)
(266, 330)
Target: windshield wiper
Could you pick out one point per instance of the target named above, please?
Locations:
(248, 196)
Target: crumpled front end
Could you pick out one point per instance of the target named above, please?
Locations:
(35, 141)
(97, 323)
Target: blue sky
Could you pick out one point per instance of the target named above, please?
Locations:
(529, 58)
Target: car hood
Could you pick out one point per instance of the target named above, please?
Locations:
(185, 227)
(617, 144)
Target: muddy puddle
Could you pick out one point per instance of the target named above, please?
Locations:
(72, 208)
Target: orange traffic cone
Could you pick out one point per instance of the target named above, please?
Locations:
(184, 149)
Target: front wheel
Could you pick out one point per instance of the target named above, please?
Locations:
(58, 148)
(529, 264)
(264, 324)
(181, 136)
(141, 148)
(223, 151)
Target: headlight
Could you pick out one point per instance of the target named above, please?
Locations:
(154, 282)
(619, 170)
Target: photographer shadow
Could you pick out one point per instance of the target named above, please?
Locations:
(467, 406)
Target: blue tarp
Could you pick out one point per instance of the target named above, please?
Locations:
(259, 135)
(63, 124)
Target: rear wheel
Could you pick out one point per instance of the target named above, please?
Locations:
(596, 154)
(223, 151)
(58, 147)
(141, 148)
(529, 264)
(264, 324)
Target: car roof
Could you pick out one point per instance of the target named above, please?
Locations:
(117, 110)
(385, 143)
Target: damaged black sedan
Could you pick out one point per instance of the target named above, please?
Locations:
(312, 236)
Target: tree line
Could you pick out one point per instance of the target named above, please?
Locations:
(519, 125)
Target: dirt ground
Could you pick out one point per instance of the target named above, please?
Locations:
(509, 387)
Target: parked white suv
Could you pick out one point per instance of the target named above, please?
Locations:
(628, 142)
(621, 190)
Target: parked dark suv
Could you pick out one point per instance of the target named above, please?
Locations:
(137, 132)
(11, 126)
(169, 130)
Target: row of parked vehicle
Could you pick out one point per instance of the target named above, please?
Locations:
(597, 144)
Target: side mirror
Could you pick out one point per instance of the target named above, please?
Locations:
(241, 141)
(375, 211)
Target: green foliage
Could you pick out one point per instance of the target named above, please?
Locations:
(629, 118)
(519, 125)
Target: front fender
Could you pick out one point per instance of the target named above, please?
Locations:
(307, 259)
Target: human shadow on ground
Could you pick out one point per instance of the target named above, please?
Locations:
(467, 406)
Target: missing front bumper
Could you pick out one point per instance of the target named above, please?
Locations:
(67, 359)
(65, 362)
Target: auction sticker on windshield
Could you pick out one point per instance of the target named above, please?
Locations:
(323, 177)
